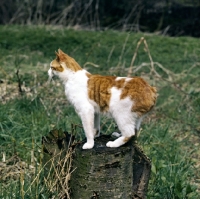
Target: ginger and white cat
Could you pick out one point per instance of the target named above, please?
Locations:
(127, 100)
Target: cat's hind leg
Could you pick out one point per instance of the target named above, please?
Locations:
(138, 123)
(127, 129)
(118, 142)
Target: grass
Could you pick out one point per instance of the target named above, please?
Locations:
(169, 136)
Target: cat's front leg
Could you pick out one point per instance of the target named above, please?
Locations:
(87, 117)
(89, 144)
(97, 124)
(89, 132)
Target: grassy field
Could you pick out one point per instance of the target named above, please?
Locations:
(30, 106)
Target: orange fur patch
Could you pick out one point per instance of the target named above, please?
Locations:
(126, 139)
(69, 61)
(56, 66)
(99, 90)
(142, 94)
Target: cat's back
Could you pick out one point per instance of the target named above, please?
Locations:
(102, 88)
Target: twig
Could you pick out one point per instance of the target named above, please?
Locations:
(97, 15)
(19, 82)
(134, 56)
(90, 63)
(142, 39)
(123, 49)
(48, 114)
(128, 17)
(110, 54)
(150, 58)
(84, 11)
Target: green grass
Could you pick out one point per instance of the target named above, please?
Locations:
(169, 135)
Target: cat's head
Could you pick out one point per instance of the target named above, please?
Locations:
(62, 63)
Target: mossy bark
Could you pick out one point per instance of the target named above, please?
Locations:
(104, 172)
(108, 173)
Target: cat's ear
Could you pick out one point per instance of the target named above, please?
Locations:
(57, 56)
(60, 55)
(60, 52)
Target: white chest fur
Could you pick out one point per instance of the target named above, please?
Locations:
(76, 88)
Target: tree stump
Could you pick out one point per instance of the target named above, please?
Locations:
(107, 173)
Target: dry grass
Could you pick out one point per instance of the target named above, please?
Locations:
(57, 181)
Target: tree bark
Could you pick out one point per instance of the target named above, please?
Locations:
(108, 173)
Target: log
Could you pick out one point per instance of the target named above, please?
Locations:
(106, 173)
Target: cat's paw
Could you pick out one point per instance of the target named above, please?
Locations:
(116, 134)
(88, 145)
(111, 144)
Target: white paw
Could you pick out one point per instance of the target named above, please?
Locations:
(116, 134)
(88, 145)
(111, 144)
